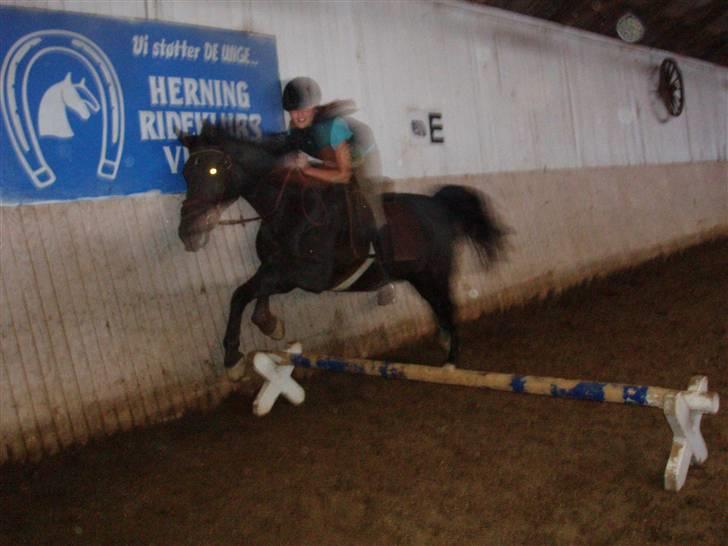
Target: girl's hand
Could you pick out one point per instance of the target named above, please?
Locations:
(301, 161)
(296, 160)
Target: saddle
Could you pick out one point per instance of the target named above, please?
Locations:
(402, 238)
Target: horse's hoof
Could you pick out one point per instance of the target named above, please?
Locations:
(444, 340)
(237, 372)
(273, 328)
(279, 331)
(234, 365)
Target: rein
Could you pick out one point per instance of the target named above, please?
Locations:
(275, 208)
(279, 196)
(305, 212)
(238, 221)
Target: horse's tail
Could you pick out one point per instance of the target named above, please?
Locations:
(474, 215)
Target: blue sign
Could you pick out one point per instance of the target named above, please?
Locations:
(91, 105)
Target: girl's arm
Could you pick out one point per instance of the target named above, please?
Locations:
(334, 172)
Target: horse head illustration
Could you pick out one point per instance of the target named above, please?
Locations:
(52, 115)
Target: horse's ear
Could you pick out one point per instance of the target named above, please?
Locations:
(188, 141)
(210, 134)
(68, 77)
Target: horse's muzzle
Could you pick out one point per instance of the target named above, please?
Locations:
(196, 241)
(196, 225)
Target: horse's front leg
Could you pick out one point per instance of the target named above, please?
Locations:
(266, 321)
(261, 285)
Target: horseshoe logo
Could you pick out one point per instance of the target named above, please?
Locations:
(16, 111)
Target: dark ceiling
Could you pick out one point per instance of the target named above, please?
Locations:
(694, 28)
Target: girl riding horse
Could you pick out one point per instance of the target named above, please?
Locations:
(298, 212)
(344, 157)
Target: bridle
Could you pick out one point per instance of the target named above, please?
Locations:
(227, 165)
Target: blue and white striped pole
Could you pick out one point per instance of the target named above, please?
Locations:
(683, 409)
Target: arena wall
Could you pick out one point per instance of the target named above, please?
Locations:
(108, 324)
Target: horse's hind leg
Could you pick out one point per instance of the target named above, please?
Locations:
(435, 288)
(266, 321)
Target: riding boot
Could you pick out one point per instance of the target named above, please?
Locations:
(370, 185)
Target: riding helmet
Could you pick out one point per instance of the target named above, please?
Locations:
(301, 93)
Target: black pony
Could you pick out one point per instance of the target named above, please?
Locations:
(319, 237)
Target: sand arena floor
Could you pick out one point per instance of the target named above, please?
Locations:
(367, 461)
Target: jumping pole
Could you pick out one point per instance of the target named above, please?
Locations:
(683, 409)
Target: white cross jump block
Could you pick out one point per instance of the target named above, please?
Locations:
(278, 381)
(684, 411)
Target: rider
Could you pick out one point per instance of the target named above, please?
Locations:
(345, 150)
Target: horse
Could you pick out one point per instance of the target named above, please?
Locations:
(52, 116)
(316, 236)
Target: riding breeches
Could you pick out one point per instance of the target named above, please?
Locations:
(368, 175)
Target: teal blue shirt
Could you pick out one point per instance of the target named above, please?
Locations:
(330, 133)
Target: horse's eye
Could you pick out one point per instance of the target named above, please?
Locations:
(213, 170)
